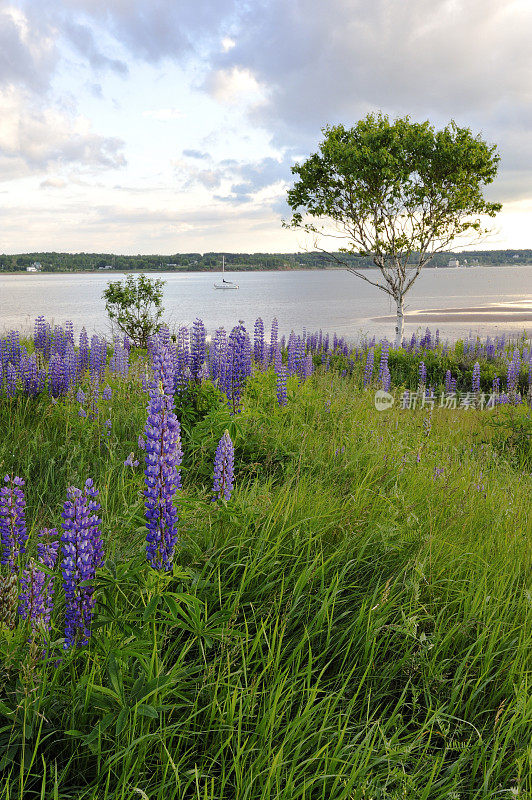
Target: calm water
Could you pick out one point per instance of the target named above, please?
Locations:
(332, 300)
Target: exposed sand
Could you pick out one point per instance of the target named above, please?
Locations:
(519, 312)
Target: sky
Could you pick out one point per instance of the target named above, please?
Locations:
(157, 126)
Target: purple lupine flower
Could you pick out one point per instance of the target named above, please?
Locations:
(32, 596)
(475, 384)
(182, 373)
(80, 396)
(10, 384)
(141, 443)
(119, 361)
(300, 358)
(37, 587)
(15, 348)
(218, 353)
(368, 369)
(82, 553)
(384, 372)
(32, 379)
(224, 461)
(71, 364)
(107, 393)
(58, 378)
(131, 461)
(237, 366)
(448, 379)
(280, 373)
(163, 458)
(48, 546)
(83, 361)
(69, 332)
(59, 342)
(98, 356)
(291, 354)
(42, 338)
(258, 343)
(308, 366)
(197, 349)
(107, 425)
(426, 341)
(422, 374)
(273, 340)
(385, 350)
(12, 520)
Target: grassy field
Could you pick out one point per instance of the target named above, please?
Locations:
(355, 624)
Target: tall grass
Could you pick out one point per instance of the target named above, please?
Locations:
(354, 624)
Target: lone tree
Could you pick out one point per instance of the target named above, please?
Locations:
(135, 305)
(398, 192)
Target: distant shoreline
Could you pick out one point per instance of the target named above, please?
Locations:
(243, 271)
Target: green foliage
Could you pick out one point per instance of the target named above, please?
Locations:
(399, 192)
(513, 437)
(135, 305)
(352, 625)
(238, 262)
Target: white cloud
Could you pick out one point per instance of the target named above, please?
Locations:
(53, 183)
(34, 139)
(164, 114)
(227, 44)
(236, 85)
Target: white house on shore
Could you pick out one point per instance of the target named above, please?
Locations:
(453, 262)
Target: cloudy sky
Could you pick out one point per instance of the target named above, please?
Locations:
(142, 126)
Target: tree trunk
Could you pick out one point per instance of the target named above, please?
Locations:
(400, 322)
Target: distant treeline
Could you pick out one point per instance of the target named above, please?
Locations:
(237, 262)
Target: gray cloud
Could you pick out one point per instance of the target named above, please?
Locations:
(151, 31)
(82, 38)
(25, 59)
(333, 62)
(243, 178)
(195, 154)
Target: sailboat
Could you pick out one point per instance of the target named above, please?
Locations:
(225, 284)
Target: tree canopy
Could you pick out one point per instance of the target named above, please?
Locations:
(397, 192)
(135, 305)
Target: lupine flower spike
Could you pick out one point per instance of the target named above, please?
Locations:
(12, 521)
(163, 458)
(82, 553)
(37, 587)
(224, 462)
